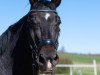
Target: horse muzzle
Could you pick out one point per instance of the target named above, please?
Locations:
(48, 58)
(47, 65)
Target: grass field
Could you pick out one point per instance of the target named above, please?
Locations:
(82, 59)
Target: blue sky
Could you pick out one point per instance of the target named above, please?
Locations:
(80, 28)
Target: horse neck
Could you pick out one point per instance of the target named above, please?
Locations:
(24, 52)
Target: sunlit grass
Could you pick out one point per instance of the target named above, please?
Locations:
(76, 58)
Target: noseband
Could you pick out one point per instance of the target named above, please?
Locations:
(45, 42)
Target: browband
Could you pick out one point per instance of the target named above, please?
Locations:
(43, 10)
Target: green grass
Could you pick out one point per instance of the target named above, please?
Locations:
(82, 59)
(78, 58)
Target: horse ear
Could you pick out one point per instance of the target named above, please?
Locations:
(32, 1)
(56, 2)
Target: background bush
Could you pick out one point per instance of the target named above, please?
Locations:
(63, 70)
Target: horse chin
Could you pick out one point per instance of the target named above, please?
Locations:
(46, 71)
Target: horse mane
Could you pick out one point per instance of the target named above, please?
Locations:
(9, 38)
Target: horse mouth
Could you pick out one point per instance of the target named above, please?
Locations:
(46, 67)
(47, 62)
(47, 71)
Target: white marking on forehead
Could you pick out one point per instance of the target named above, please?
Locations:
(47, 16)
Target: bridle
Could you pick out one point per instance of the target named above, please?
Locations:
(34, 47)
(43, 10)
(44, 42)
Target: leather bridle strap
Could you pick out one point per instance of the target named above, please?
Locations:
(43, 10)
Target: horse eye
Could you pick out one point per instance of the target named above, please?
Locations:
(57, 24)
(58, 20)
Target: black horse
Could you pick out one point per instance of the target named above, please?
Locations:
(30, 45)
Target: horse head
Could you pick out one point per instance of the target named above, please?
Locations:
(43, 26)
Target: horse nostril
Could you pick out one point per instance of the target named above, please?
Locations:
(56, 57)
(41, 58)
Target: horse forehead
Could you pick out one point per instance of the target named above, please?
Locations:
(47, 15)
